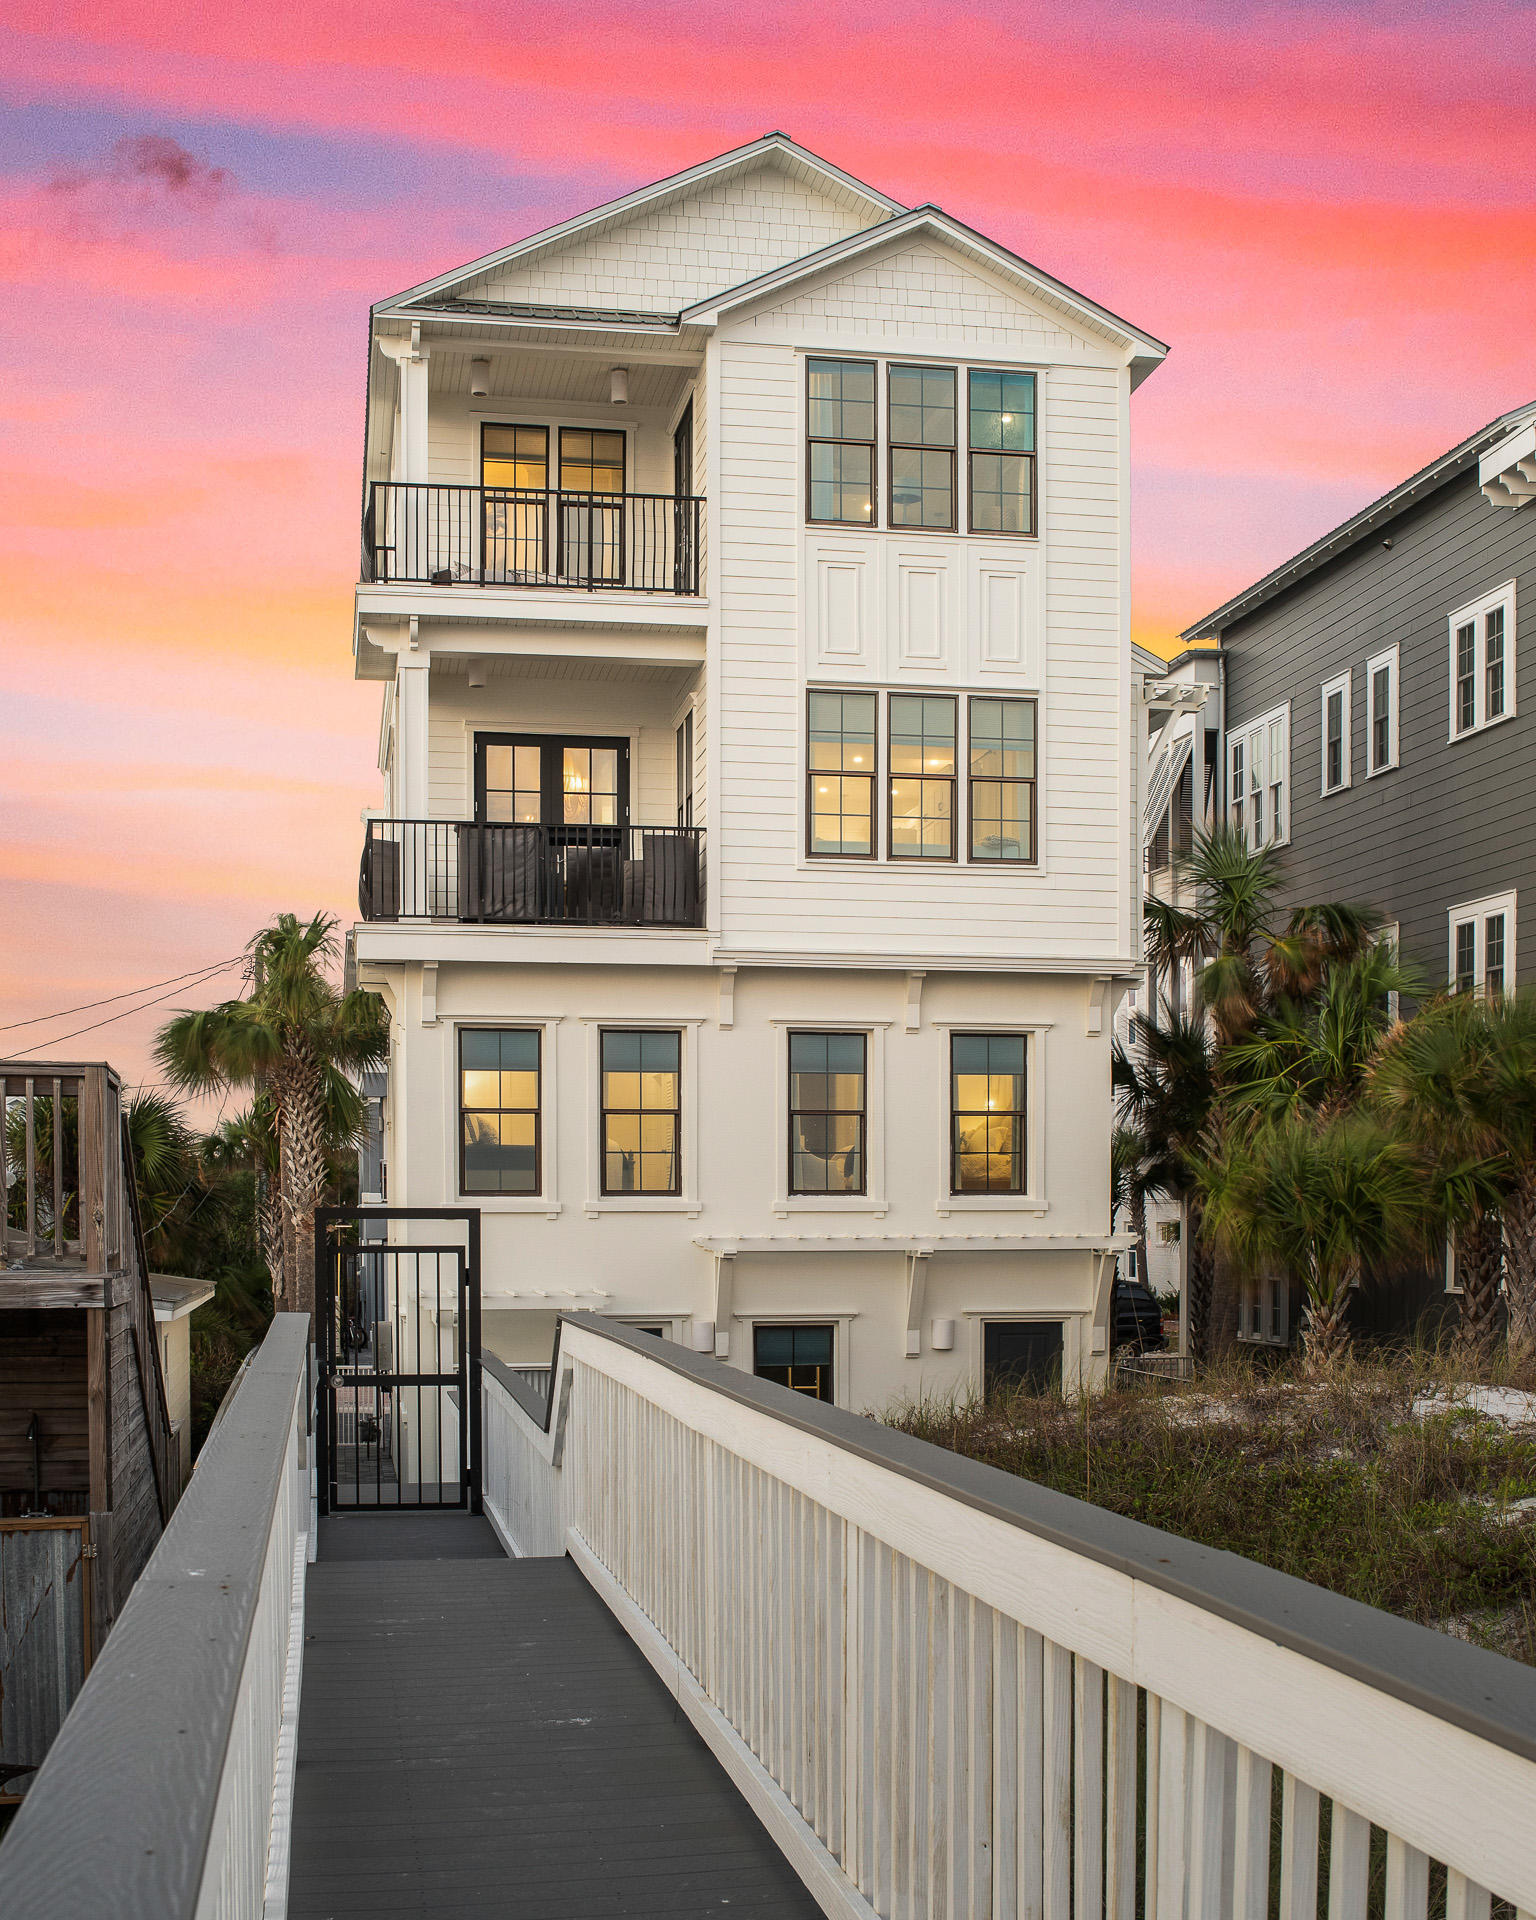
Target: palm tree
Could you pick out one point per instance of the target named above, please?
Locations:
(1511, 1081)
(1322, 1198)
(248, 1144)
(296, 1043)
(1165, 1093)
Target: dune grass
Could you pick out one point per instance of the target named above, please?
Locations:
(1381, 1482)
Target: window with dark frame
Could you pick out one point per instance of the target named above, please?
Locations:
(1002, 779)
(684, 770)
(841, 764)
(828, 1082)
(920, 427)
(1001, 444)
(514, 473)
(921, 751)
(840, 441)
(641, 1072)
(499, 1124)
(798, 1357)
(987, 1113)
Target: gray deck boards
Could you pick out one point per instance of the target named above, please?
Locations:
(478, 1735)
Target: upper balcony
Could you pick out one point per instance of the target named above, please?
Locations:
(448, 536)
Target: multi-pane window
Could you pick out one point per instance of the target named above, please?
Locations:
(1001, 441)
(560, 782)
(795, 1357)
(641, 1110)
(1483, 945)
(1483, 661)
(921, 431)
(1381, 712)
(840, 433)
(1258, 779)
(840, 738)
(922, 752)
(1336, 731)
(827, 1112)
(1002, 779)
(591, 460)
(499, 1110)
(987, 1113)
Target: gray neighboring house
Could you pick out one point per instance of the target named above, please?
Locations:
(1367, 711)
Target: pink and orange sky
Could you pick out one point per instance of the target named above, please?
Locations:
(1324, 205)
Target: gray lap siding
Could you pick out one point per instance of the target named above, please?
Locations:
(1454, 820)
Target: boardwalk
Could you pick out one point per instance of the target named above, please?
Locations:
(478, 1735)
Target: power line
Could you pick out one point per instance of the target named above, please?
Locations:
(150, 986)
(58, 1039)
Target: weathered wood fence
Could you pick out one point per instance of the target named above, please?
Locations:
(952, 1694)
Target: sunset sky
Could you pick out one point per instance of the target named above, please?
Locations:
(1325, 207)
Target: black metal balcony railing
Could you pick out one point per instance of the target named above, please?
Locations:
(532, 875)
(438, 536)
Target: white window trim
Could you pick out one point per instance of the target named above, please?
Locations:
(1390, 660)
(1033, 1198)
(1476, 913)
(873, 1199)
(840, 1323)
(1343, 684)
(547, 1201)
(1076, 1336)
(596, 1201)
(1243, 736)
(1475, 610)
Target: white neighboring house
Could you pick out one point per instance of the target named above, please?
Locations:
(746, 574)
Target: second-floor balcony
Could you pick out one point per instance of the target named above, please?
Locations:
(445, 536)
(519, 874)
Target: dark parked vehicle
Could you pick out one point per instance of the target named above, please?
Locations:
(1137, 1319)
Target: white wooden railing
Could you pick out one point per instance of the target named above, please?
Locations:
(949, 1693)
(166, 1794)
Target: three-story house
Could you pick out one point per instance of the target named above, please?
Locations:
(746, 575)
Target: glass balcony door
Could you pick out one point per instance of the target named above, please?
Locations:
(514, 473)
(592, 527)
(577, 787)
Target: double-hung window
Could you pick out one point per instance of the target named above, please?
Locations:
(921, 427)
(796, 1357)
(641, 1110)
(1258, 779)
(1002, 779)
(840, 735)
(986, 1079)
(840, 433)
(1483, 945)
(1336, 734)
(828, 1112)
(1482, 654)
(499, 1143)
(922, 750)
(1381, 712)
(1001, 443)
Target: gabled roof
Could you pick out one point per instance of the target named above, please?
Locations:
(799, 160)
(1407, 494)
(943, 226)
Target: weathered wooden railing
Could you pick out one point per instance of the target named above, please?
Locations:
(65, 1203)
(165, 1794)
(949, 1692)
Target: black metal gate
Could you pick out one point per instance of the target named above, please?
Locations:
(397, 1342)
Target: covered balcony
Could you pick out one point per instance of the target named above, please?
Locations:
(529, 874)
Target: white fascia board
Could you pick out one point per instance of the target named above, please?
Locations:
(932, 220)
(1506, 453)
(738, 159)
(928, 1243)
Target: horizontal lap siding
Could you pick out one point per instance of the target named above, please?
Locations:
(769, 899)
(1455, 820)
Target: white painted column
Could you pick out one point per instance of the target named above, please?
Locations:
(413, 517)
(417, 846)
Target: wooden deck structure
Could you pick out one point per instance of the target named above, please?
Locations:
(85, 1431)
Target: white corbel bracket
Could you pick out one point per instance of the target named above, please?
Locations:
(917, 1293)
(1103, 1292)
(1098, 997)
(727, 1014)
(429, 993)
(914, 1001)
(725, 1283)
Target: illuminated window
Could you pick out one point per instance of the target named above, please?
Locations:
(1002, 782)
(841, 758)
(499, 1141)
(921, 742)
(827, 1115)
(1002, 452)
(986, 1113)
(641, 1111)
(840, 436)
